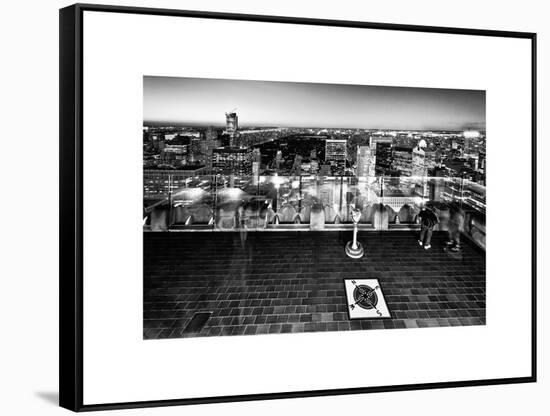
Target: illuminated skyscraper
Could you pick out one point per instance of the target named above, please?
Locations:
(365, 162)
(335, 150)
(383, 159)
(232, 122)
(211, 135)
(232, 160)
(471, 143)
(403, 160)
(211, 142)
(418, 168)
(374, 140)
(232, 128)
(336, 154)
(174, 155)
(430, 159)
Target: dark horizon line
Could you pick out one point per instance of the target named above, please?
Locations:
(221, 125)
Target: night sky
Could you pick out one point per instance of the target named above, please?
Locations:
(204, 101)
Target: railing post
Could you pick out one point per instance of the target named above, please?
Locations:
(300, 193)
(169, 219)
(215, 206)
(341, 193)
(461, 191)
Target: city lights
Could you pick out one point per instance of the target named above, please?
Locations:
(471, 134)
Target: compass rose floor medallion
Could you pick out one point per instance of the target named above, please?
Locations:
(365, 299)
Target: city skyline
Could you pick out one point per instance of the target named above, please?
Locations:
(203, 101)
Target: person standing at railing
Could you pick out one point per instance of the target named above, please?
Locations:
(456, 226)
(428, 220)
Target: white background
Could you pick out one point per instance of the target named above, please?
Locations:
(29, 208)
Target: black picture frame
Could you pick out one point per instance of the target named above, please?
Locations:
(71, 205)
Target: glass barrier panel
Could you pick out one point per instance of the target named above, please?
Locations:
(192, 202)
(156, 207)
(174, 200)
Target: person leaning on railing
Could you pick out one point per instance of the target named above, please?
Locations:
(428, 220)
(456, 226)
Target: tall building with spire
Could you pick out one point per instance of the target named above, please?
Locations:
(232, 128)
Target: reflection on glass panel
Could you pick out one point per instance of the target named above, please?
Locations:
(176, 201)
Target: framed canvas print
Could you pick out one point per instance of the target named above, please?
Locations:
(251, 206)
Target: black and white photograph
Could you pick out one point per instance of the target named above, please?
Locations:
(251, 204)
(282, 207)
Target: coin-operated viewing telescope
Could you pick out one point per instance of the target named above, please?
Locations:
(354, 249)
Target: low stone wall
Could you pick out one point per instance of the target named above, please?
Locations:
(313, 217)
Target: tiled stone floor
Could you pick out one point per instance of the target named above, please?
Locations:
(281, 282)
